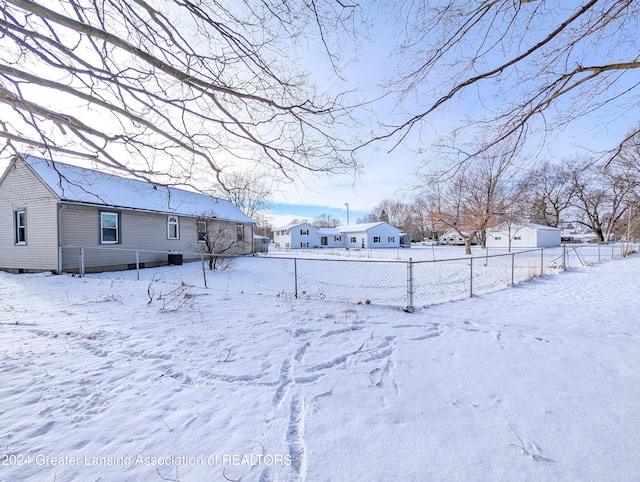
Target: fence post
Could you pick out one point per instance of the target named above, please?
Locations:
(471, 278)
(410, 286)
(204, 271)
(513, 267)
(295, 275)
(564, 257)
(137, 265)
(541, 262)
(599, 259)
(81, 267)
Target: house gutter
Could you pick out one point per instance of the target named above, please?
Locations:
(151, 211)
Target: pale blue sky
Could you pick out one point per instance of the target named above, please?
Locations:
(389, 175)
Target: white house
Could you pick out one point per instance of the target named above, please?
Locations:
(299, 235)
(370, 235)
(523, 235)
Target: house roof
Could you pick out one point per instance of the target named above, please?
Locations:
(329, 231)
(358, 228)
(79, 185)
(289, 226)
(540, 227)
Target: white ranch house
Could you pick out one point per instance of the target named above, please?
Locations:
(360, 236)
(523, 235)
(47, 206)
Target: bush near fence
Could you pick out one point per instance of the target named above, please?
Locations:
(392, 282)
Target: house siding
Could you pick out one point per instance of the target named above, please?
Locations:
(523, 236)
(20, 188)
(138, 231)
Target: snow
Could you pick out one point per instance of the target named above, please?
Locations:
(107, 378)
(87, 186)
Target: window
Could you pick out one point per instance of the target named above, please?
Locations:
(202, 231)
(304, 232)
(498, 238)
(376, 239)
(391, 239)
(109, 228)
(517, 238)
(353, 239)
(20, 224)
(173, 228)
(240, 232)
(337, 238)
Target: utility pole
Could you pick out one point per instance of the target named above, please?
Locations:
(347, 204)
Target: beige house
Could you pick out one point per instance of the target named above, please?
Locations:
(60, 215)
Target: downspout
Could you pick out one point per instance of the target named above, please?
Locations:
(59, 235)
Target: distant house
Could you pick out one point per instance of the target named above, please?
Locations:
(370, 235)
(523, 235)
(304, 235)
(50, 205)
(297, 235)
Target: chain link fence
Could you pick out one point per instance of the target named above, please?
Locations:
(405, 283)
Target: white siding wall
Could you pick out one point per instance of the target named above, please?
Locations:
(524, 237)
(22, 189)
(300, 236)
(549, 238)
(359, 237)
(383, 236)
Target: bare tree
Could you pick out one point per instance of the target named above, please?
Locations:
(420, 223)
(325, 220)
(477, 197)
(263, 226)
(247, 190)
(604, 194)
(197, 84)
(391, 211)
(535, 65)
(220, 240)
(549, 191)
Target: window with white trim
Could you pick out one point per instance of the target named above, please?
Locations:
(109, 228)
(391, 239)
(20, 226)
(376, 239)
(353, 239)
(173, 227)
(202, 231)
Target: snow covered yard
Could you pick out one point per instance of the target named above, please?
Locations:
(538, 382)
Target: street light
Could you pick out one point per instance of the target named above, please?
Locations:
(347, 204)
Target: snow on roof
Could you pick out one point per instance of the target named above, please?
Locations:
(527, 225)
(289, 226)
(353, 228)
(87, 186)
(329, 231)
